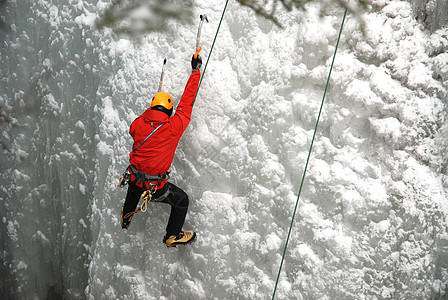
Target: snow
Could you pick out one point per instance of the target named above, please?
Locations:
(372, 216)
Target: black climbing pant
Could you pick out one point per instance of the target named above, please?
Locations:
(169, 194)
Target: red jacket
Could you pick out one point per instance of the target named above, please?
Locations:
(155, 156)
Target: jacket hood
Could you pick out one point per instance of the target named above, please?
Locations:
(155, 116)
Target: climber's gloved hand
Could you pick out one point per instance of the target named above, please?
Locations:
(196, 63)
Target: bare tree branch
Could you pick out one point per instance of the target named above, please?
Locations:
(136, 17)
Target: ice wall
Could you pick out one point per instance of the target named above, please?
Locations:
(372, 222)
(433, 13)
(48, 87)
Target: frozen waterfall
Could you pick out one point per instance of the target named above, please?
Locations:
(372, 221)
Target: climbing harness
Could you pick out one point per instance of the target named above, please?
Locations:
(143, 177)
(147, 195)
(309, 154)
(153, 182)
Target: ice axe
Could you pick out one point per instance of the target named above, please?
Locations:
(161, 76)
(198, 48)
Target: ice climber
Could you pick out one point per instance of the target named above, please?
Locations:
(156, 134)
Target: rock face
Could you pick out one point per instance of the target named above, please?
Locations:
(433, 13)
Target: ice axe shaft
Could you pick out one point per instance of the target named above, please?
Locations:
(161, 76)
(198, 38)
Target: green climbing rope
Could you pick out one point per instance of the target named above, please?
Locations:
(309, 154)
(211, 50)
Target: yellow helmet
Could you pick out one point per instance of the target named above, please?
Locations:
(164, 102)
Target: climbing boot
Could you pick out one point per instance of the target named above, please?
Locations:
(183, 237)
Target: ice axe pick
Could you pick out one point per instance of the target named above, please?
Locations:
(198, 48)
(161, 76)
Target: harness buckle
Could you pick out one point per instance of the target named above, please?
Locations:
(153, 187)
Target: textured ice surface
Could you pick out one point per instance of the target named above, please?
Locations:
(372, 218)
